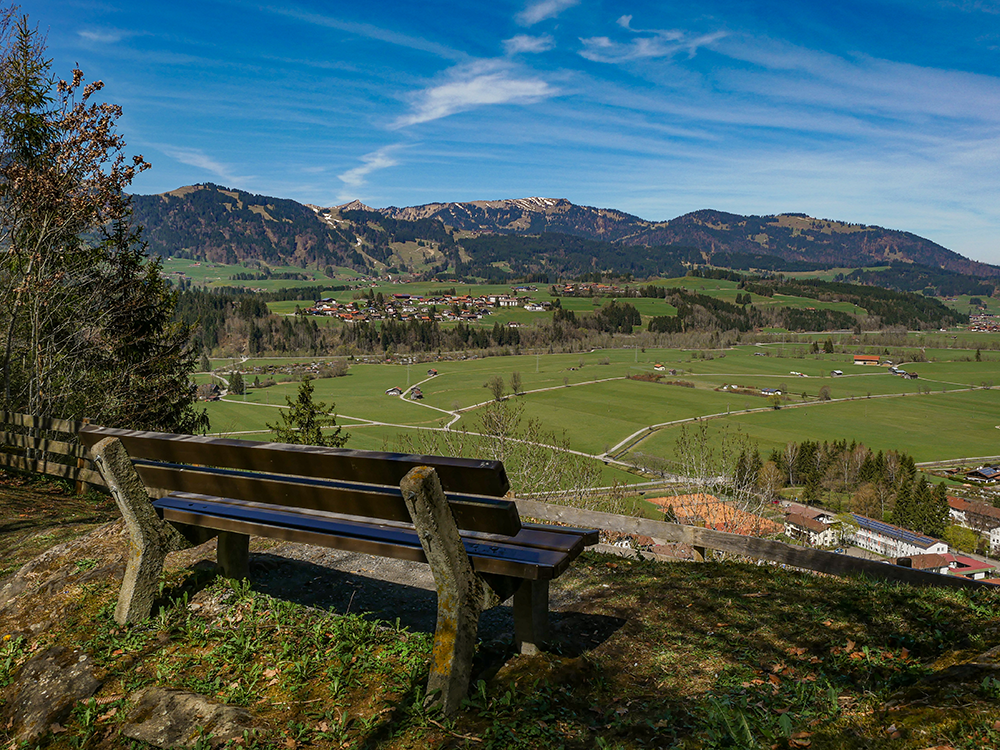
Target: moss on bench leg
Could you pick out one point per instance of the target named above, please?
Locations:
(462, 594)
(150, 539)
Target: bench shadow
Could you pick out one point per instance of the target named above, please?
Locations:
(345, 592)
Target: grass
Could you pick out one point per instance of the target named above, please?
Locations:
(37, 513)
(650, 654)
(928, 427)
(602, 408)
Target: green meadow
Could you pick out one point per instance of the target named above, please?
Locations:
(588, 400)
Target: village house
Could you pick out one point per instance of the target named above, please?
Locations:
(978, 516)
(892, 541)
(394, 391)
(930, 563)
(984, 474)
(811, 531)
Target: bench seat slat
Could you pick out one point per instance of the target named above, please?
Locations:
(385, 503)
(558, 538)
(467, 475)
(510, 558)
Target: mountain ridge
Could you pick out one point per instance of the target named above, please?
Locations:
(229, 225)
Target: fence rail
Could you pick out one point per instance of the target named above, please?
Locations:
(820, 561)
(51, 447)
(44, 445)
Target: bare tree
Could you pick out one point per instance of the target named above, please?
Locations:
(515, 383)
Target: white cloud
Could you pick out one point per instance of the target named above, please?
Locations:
(356, 178)
(103, 36)
(666, 43)
(542, 9)
(477, 84)
(525, 43)
(197, 158)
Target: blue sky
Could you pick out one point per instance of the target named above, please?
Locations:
(880, 112)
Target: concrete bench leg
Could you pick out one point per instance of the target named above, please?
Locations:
(462, 594)
(150, 539)
(233, 554)
(531, 616)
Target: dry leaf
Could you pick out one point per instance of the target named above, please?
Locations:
(850, 646)
(269, 673)
(775, 680)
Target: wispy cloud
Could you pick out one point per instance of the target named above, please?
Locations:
(652, 44)
(367, 30)
(356, 178)
(475, 85)
(525, 43)
(103, 36)
(196, 158)
(542, 9)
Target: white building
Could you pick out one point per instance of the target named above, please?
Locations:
(892, 541)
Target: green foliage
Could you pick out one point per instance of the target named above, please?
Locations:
(236, 384)
(304, 420)
(86, 323)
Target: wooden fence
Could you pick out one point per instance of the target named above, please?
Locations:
(46, 446)
(50, 446)
(702, 539)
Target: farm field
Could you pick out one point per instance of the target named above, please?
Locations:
(928, 427)
(587, 399)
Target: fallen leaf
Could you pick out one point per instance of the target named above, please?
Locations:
(269, 673)
(801, 735)
(828, 623)
(796, 651)
(850, 646)
(904, 654)
(108, 715)
(290, 743)
(775, 680)
(57, 728)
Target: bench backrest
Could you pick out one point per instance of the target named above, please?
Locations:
(359, 483)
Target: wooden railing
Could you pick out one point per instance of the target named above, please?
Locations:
(50, 446)
(46, 446)
(702, 539)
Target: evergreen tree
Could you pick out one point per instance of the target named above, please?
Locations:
(236, 384)
(937, 512)
(86, 323)
(902, 509)
(304, 420)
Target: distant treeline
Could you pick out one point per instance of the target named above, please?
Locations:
(911, 277)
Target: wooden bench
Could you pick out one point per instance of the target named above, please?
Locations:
(449, 512)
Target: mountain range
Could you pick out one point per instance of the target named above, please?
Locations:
(493, 239)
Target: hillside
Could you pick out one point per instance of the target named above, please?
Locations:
(209, 222)
(646, 654)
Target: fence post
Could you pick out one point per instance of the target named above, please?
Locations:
(82, 488)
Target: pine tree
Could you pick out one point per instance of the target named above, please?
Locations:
(86, 322)
(902, 510)
(937, 512)
(304, 421)
(236, 384)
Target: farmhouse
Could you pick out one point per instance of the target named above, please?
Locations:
(867, 359)
(930, 563)
(811, 531)
(394, 391)
(984, 474)
(892, 541)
